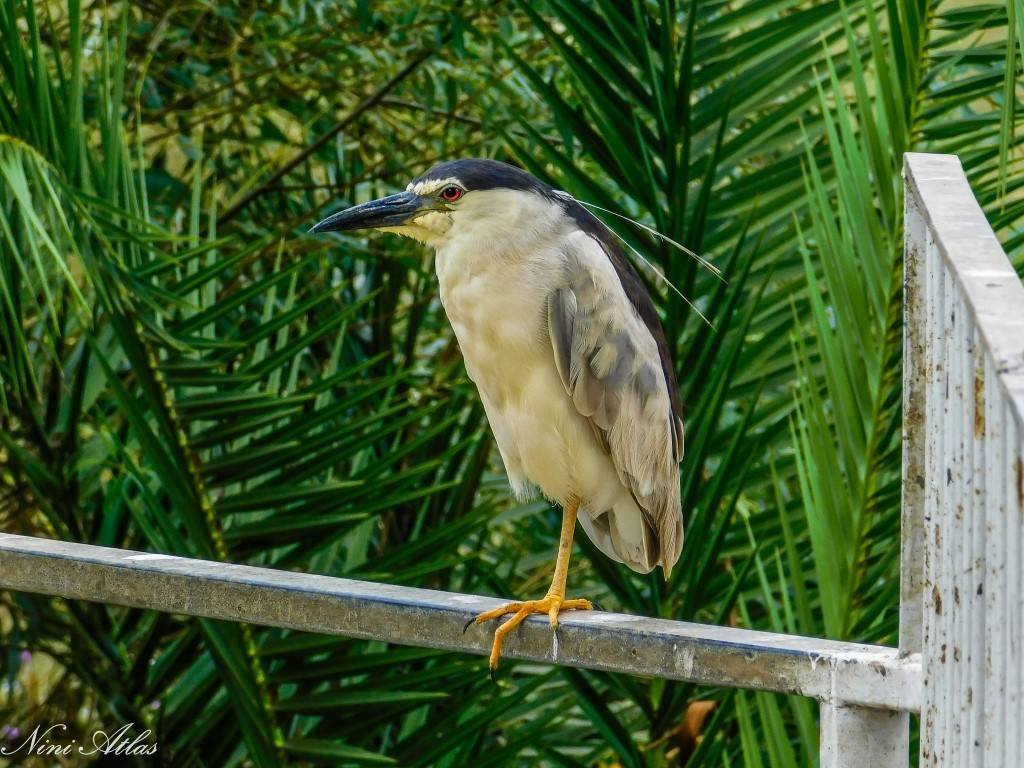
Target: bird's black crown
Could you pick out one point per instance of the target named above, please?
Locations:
(481, 173)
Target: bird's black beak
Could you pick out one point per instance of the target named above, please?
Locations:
(390, 211)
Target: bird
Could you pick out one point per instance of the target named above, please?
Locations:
(568, 355)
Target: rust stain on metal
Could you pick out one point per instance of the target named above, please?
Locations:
(1020, 481)
(979, 403)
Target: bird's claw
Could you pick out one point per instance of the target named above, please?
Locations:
(550, 605)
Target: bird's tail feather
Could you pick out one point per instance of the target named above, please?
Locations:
(624, 535)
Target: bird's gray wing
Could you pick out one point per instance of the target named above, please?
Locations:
(613, 366)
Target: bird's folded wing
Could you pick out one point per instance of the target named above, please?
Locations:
(612, 367)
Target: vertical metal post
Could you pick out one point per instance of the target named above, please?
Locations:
(853, 737)
(857, 737)
(914, 391)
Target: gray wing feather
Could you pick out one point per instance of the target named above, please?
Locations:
(610, 367)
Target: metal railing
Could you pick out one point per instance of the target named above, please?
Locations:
(870, 675)
(963, 481)
(959, 660)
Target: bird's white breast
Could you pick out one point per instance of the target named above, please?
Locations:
(498, 318)
(496, 301)
(494, 282)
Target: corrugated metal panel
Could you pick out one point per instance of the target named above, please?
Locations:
(963, 469)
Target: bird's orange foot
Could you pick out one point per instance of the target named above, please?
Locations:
(551, 605)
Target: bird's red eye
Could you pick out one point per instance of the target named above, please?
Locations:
(451, 194)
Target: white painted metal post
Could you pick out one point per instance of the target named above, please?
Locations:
(854, 737)
(912, 549)
(857, 737)
(963, 471)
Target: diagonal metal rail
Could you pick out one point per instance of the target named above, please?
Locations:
(866, 675)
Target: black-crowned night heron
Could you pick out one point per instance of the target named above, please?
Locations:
(565, 347)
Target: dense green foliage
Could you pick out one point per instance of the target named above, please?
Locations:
(183, 369)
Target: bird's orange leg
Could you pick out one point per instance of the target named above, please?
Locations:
(553, 602)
